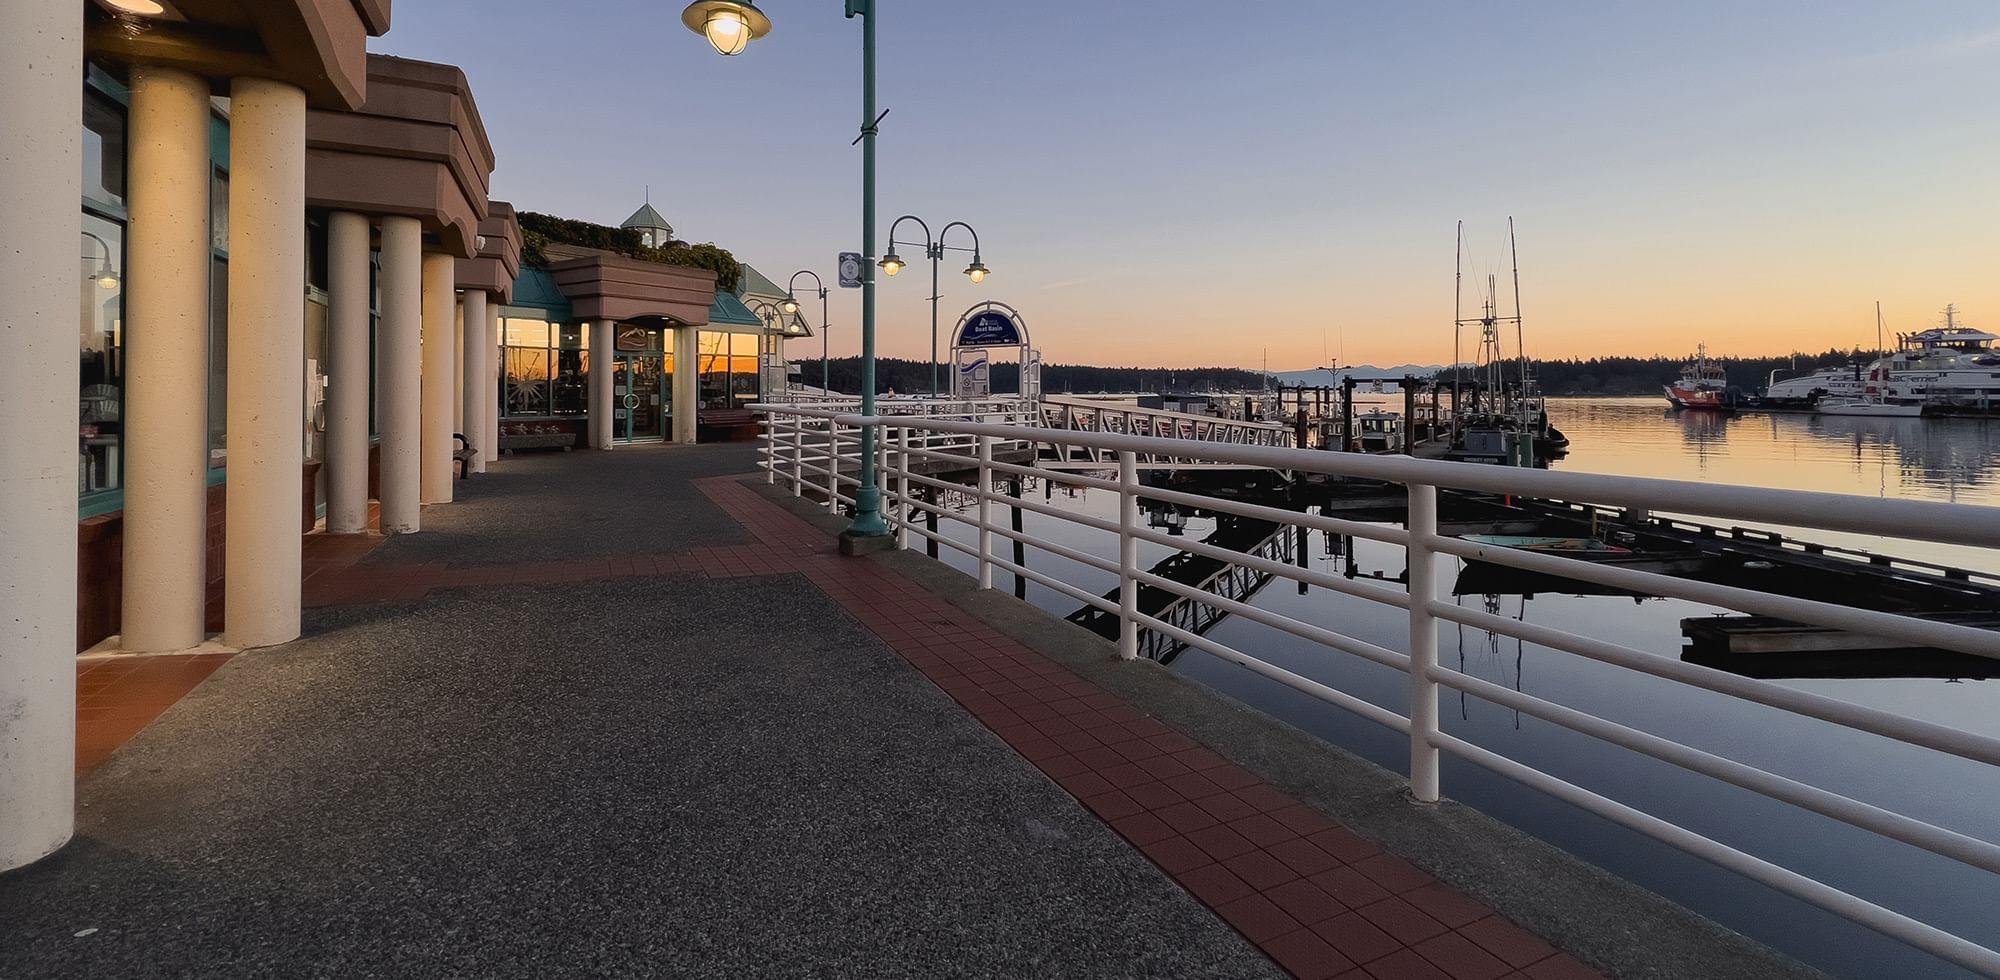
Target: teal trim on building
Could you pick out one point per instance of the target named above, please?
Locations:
(727, 310)
(646, 217)
(536, 288)
(105, 502)
(755, 284)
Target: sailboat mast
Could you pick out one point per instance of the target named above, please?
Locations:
(1457, 313)
(1520, 342)
(1878, 328)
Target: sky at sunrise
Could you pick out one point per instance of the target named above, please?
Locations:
(1179, 183)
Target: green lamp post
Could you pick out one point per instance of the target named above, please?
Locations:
(730, 25)
(791, 305)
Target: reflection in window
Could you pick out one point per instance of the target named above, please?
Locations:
(728, 369)
(544, 372)
(101, 355)
(103, 151)
(218, 362)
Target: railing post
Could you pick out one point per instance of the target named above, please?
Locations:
(798, 455)
(1423, 644)
(903, 513)
(833, 466)
(985, 512)
(1128, 555)
(768, 437)
(882, 468)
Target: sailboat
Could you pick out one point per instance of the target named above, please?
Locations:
(1872, 401)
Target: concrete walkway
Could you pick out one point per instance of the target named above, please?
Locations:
(626, 714)
(651, 775)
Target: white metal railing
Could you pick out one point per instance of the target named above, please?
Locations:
(805, 447)
(1081, 414)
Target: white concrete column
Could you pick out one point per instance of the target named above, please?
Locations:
(399, 376)
(440, 302)
(490, 381)
(166, 356)
(347, 391)
(687, 382)
(473, 349)
(600, 384)
(41, 67)
(458, 371)
(267, 356)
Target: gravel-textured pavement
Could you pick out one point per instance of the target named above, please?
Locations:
(665, 776)
(552, 506)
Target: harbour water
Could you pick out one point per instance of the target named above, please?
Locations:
(1956, 460)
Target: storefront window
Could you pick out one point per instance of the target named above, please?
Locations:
(101, 355)
(544, 369)
(103, 152)
(571, 394)
(728, 369)
(218, 319)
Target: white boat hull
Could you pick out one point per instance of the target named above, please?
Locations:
(1870, 409)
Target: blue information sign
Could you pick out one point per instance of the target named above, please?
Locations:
(989, 328)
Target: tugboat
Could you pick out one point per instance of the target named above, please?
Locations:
(1702, 385)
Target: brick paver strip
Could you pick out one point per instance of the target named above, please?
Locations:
(1317, 899)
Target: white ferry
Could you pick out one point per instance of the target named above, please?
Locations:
(1946, 368)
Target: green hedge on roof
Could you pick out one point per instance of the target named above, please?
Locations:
(538, 230)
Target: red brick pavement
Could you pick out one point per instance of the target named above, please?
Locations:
(1318, 899)
(117, 696)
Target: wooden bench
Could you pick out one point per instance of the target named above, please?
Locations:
(729, 424)
(464, 454)
(536, 440)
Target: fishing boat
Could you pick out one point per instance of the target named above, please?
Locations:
(1568, 547)
(1702, 385)
(1381, 431)
(1497, 420)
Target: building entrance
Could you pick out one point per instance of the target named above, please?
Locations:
(641, 409)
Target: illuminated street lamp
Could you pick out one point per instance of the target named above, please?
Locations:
(791, 305)
(934, 250)
(106, 277)
(729, 25)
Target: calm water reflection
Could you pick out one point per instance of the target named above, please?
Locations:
(1945, 460)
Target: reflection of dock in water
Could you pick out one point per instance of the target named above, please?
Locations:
(1214, 576)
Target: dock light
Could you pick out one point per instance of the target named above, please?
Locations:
(977, 270)
(729, 25)
(791, 303)
(891, 263)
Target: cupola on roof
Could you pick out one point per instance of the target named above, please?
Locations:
(650, 224)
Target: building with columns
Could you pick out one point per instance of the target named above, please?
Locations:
(684, 358)
(293, 306)
(284, 302)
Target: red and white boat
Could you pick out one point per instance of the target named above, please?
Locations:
(1702, 384)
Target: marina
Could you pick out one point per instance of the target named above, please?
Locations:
(1214, 583)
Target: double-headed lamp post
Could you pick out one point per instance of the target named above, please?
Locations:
(934, 250)
(791, 305)
(730, 25)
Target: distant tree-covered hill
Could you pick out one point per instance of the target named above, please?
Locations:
(1646, 375)
(1572, 376)
(914, 377)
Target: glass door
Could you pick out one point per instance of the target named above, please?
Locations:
(638, 398)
